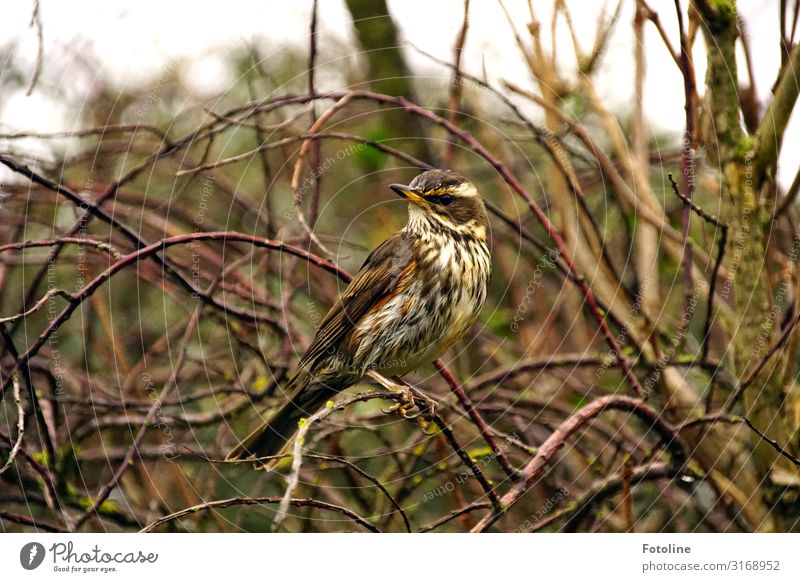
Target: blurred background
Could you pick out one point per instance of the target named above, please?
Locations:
(280, 122)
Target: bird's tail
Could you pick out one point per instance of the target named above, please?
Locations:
(274, 435)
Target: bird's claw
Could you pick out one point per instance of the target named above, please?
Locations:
(409, 408)
(410, 405)
(406, 406)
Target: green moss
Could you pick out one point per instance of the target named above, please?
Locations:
(719, 15)
(42, 458)
(725, 9)
(743, 147)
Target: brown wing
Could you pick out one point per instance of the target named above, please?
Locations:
(375, 281)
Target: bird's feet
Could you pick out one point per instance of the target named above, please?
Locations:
(410, 404)
(414, 406)
(407, 405)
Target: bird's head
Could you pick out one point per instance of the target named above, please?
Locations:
(444, 199)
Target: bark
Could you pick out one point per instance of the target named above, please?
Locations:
(388, 71)
(747, 165)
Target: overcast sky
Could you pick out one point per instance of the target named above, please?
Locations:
(134, 41)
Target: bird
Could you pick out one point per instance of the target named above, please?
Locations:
(416, 294)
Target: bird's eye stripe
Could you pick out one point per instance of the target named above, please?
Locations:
(440, 199)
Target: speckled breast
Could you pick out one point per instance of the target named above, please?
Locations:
(438, 301)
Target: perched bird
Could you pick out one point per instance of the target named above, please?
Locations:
(415, 295)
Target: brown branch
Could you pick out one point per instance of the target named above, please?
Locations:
(510, 179)
(456, 88)
(690, 140)
(721, 245)
(653, 17)
(754, 373)
(93, 209)
(534, 468)
(313, 39)
(222, 503)
(774, 444)
(727, 418)
(602, 490)
(20, 425)
(36, 22)
(88, 132)
(34, 523)
(476, 417)
(710, 218)
(454, 514)
(152, 249)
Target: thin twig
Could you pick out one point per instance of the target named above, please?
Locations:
(754, 373)
(297, 461)
(297, 196)
(534, 468)
(36, 21)
(170, 384)
(34, 523)
(152, 249)
(454, 105)
(222, 503)
(20, 425)
(772, 443)
(476, 417)
(602, 490)
(454, 514)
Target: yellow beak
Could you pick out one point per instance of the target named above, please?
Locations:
(409, 194)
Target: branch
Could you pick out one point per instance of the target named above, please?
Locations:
(534, 468)
(454, 104)
(25, 520)
(20, 425)
(476, 417)
(602, 490)
(152, 249)
(754, 374)
(93, 209)
(770, 133)
(727, 418)
(259, 501)
(454, 514)
(36, 21)
(723, 241)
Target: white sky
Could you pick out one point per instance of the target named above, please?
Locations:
(134, 40)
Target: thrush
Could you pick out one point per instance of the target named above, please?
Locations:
(416, 294)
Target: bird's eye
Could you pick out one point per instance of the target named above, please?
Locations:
(446, 199)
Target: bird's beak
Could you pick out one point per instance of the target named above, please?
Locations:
(407, 193)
